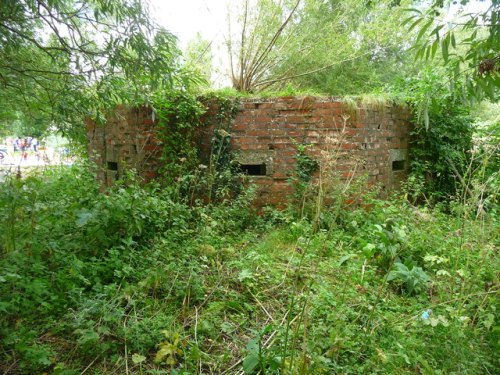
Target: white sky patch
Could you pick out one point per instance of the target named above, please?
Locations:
(186, 18)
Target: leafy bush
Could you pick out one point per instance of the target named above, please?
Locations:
(141, 273)
(77, 263)
(440, 154)
(442, 136)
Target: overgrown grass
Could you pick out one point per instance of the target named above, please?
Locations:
(137, 281)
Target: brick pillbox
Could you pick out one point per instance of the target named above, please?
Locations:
(370, 140)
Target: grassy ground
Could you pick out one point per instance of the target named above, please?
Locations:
(137, 282)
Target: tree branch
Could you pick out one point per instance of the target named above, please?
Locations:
(272, 81)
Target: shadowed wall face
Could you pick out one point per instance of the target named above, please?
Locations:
(129, 140)
(370, 141)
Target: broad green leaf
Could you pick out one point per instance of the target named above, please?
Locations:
(428, 50)
(434, 48)
(250, 363)
(253, 346)
(407, 21)
(436, 31)
(420, 53)
(444, 47)
(412, 10)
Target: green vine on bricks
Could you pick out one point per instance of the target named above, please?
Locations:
(178, 116)
(305, 167)
(223, 169)
(221, 157)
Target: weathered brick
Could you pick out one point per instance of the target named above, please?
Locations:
(268, 127)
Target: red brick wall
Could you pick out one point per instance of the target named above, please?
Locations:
(365, 141)
(128, 140)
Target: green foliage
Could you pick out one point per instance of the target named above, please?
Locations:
(178, 115)
(169, 350)
(483, 185)
(56, 71)
(306, 165)
(467, 43)
(390, 240)
(441, 154)
(256, 360)
(213, 180)
(223, 179)
(343, 64)
(441, 147)
(76, 264)
(136, 274)
(305, 168)
(198, 56)
(413, 281)
(289, 44)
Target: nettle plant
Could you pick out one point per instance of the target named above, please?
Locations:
(389, 247)
(411, 281)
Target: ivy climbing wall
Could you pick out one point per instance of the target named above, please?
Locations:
(268, 137)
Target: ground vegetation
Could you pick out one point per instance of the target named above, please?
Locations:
(183, 275)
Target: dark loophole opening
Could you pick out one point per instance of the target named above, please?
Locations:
(398, 165)
(112, 165)
(253, 169)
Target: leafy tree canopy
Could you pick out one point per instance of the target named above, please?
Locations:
(328, 46)
(468, 44)
(61, 60)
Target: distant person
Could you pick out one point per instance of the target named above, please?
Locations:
(24, 149)
(34, 143)
(17, 145)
